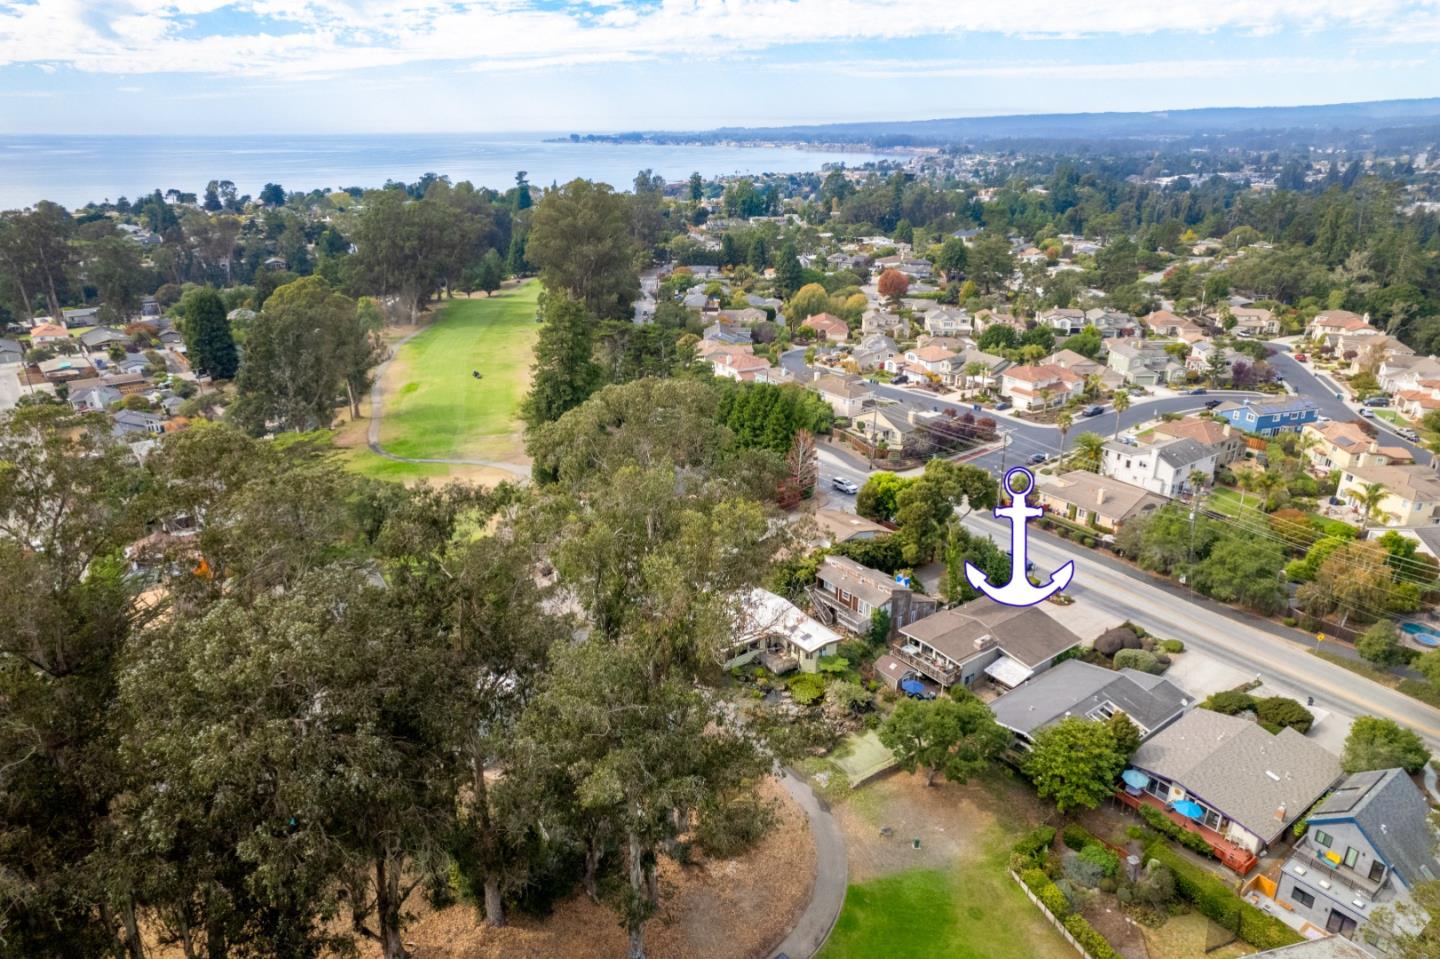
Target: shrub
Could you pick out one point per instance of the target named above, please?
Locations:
(1215, 900)
(1112, 641)
(1075, 837)
(1229, 702)
(1172, 645)
(1083, 872)
(1098, 855)
(806, 688)
(1145, 662)
(726, 829)
(1034, 844)
(1277, 712)
(1089, 938)
(1163, 824)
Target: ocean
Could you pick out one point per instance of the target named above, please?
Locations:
(74, 170)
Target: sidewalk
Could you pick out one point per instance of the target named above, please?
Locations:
(831, 874)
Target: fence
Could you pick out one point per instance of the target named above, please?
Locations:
(1050, 916)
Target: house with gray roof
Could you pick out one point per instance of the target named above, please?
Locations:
(101, 337)
(1366, 846)
(964, 644)
(722, 332)
(1164, 466)
(95, 399)
(1078, 688)
(1244, 786)
(11, 352)
(129, 423)
(849, 594)
(1332, 947)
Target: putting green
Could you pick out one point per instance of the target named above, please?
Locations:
(435, 407)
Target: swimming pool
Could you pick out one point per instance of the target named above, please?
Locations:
(1422, 634)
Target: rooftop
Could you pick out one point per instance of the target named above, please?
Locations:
(1028, 635)
(869, 584)
(1261, 781)
(1391, 812)
(762, 613)
(1076, 688)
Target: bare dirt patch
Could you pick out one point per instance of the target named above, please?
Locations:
(716, 909)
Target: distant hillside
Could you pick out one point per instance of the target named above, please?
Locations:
(1339, 118)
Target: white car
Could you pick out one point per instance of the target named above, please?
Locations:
(844, 485)
(1408, 434)
(1367, 412)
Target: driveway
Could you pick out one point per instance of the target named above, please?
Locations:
(831, 874)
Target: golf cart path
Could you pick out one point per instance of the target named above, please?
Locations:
(831, 874)
(377, 395)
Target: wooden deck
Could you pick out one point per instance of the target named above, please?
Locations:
(1238, 859)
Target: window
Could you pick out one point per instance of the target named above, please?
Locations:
(1302, 897)
(1323, 838)
(1377, 870)
(1351, 856)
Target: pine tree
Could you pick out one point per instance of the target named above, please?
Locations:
(207, 335)
(565, 369)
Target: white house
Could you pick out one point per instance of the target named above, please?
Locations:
(1163, 467)
(773, 630)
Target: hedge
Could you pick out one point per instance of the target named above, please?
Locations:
(1047, 892)
(1167, 827)
(1092, 941)
(1215, 900)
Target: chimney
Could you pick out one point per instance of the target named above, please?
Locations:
(1280, 813)
(1100, 497)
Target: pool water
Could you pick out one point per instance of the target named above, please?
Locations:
(1422, 634)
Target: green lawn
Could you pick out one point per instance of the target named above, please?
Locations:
(1228, 501)
(438, 409)
(973, 910)
(1392, 417)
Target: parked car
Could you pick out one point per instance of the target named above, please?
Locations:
(1408, 434)
(1002, 405)
(1378, 401)
(1211, 404)
(1093, 410)
(1301, 358)
(1199, 391)
(901, 379)
(1368, 413)
(845, 486)
(1037, 458)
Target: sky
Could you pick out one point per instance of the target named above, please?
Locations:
(353, 66)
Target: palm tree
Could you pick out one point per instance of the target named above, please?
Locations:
(1092, 385)
(1369, 499)
(1245, 479)
(1268, 483)
(1089, 449)
(1121, 400)
(1063, 422)
(973, 371)
(1196, 482)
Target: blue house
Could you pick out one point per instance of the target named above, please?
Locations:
(1284, 414)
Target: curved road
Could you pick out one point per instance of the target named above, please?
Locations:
(372, 439)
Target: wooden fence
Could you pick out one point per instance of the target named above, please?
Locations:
(1044, 911)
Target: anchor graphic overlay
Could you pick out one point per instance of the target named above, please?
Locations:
(1019, 591)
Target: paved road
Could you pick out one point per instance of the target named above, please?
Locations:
(831, 874)
(1247, 643)
(1025, 439)
(377, 396)
(1307, 383)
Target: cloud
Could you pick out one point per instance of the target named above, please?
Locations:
(287, 38)
(1133, 70)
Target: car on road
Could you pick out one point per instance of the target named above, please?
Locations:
(1093, 410)
(1301, 358)
(1322, 418)
(1199, 391)
(1367, 413)
(1037, 458)
(1211, 404)
(1408, 434)
(844, 485)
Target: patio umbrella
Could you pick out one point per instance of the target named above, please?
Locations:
(1190, 810)
(1135, 779)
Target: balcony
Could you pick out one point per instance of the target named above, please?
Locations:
(942, 672)
(1317, 867)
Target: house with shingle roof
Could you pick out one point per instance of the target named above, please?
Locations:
(1163, 466)
(1078, 688)
(847, 395)
(1333, 324)
(1283, 414)
(1340, 445)
(983, 639)
(849, 595)
(1223, 438)
(828, 326)
(1367, 845)
(1248, 785)
(1412, 493)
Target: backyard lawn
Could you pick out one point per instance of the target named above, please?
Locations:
(435, 407)
(970, 910)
